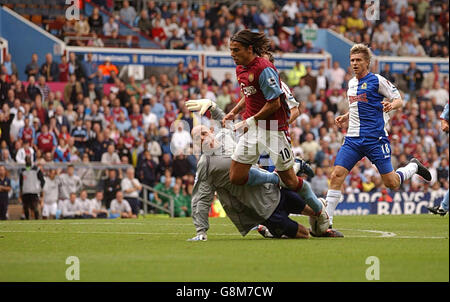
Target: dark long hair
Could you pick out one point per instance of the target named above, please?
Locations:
(259, 42)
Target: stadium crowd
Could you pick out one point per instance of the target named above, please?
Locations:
(147, 125)
(402, 28)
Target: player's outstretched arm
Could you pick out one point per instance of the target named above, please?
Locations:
(267, 110)
(341, 120)
(295, 113)
(235, 111)
(396, 103)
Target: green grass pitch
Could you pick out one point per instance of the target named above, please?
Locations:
(409, 248)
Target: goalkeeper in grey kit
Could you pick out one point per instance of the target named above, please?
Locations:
(261, 204)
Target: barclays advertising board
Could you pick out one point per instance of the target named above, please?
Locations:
(402, 203)
(142, 59)
(217, 61)
(401, 66)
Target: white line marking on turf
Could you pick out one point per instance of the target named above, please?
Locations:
(383, 234)
(107, 223)
(223, 234)
(124, 233)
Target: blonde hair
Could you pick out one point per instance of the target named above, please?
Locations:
(362, 49)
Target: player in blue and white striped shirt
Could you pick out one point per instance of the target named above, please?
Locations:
(443, 208)
(371, 97)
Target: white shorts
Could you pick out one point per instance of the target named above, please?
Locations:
(257, 140)
(49, 209)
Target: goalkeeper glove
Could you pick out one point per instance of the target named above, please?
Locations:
(201, 105)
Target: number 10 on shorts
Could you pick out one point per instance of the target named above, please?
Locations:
(285, 154)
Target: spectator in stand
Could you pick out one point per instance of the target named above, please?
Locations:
(181, 139)
(46, 141)
(61, 118)
(70, 208)
(107, 68)
(11, 67)
(195, 45)
(110, 157)
(62, 151)
(319, 183)
(181, 166)
(98, 206)
(146, 169)
(32, 88)
(157, 32)
(43, 87)
(63, 70)
(49, 69)
(131, 188)
(82, 26)
(122, 123)
(110, 26)
(32, 68)
(86, 206)
(166, 191)
(114, 40)
(70, 183)
(432, 77)
(90, 67)
(413, 77)
(120, 207)
(72, 89)
(25, 151)
(386, 73)
(302, 91)
(80, 135)
(27, 133)
(20, 92)
(145, 24)
(297, 72)
(127, 13)
(439, 94)
(111, 185)
(310, 79)
(182, 202)
(336, 76)
(310, 147)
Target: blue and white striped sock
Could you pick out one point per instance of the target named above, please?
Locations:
(406, 172)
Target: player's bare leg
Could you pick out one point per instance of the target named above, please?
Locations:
(295, 183)
(239, 173)
(338, 176)
(391, 180)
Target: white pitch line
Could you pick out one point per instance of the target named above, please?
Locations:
(383, 233)
(391, 235)
(120, 233)
(107, 223)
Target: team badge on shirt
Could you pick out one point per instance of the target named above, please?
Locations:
(271, 81)
(251, 77)
(364, 85)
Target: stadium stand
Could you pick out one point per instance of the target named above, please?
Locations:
(94, 110)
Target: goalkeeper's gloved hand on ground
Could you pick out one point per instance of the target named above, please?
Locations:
(201, 105)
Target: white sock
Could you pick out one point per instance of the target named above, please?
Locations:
(333, 197)
(407, 171)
